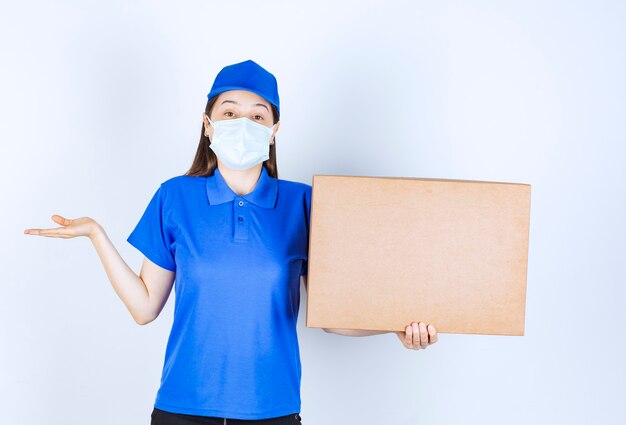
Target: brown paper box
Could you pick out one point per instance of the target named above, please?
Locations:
(387, 251)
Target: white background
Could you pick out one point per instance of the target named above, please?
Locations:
(102, 101)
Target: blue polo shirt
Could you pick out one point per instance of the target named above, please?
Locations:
(233, 348)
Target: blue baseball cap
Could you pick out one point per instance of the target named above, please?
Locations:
(247, 75)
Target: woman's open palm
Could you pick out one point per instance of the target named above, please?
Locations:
(70, 228)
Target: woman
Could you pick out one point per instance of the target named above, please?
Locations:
(235, 236)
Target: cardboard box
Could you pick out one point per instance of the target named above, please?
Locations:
(387, 251)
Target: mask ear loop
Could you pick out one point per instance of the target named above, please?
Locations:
(210, 121)
(273, 141)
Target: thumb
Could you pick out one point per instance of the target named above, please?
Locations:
(60, 220)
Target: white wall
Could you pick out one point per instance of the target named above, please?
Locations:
(101, 101)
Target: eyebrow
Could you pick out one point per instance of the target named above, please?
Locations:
(237, 103)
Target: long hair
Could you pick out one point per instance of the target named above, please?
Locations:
(205, 161)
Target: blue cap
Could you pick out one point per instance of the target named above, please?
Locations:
(247, 75)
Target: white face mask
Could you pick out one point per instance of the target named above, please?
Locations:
(240, 143)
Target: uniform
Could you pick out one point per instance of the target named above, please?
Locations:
(233, 348)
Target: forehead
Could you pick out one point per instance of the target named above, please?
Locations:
(244, 97)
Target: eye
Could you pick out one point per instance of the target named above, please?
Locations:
(228, 112)
(260, 117)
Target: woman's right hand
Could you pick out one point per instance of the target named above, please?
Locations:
(70, 228)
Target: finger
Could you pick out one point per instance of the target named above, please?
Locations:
(432, 332)
(408, 337)
(56, 232)
(53, 233)
(423, 335)
(61, 220)
(416, 336)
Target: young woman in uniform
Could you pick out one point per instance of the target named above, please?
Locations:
(235, 237)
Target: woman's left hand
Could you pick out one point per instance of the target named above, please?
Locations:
(418, 336)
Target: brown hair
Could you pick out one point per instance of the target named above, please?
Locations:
(205, 161)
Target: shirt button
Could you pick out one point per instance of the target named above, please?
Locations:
(240, 218)
(240, 203)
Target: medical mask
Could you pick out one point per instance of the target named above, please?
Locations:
(240, 143)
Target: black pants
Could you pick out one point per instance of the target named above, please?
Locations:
(161, 417)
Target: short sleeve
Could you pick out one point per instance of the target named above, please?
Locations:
(152, 235)
(307, 215)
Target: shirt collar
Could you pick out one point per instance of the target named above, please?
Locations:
(263, 195)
